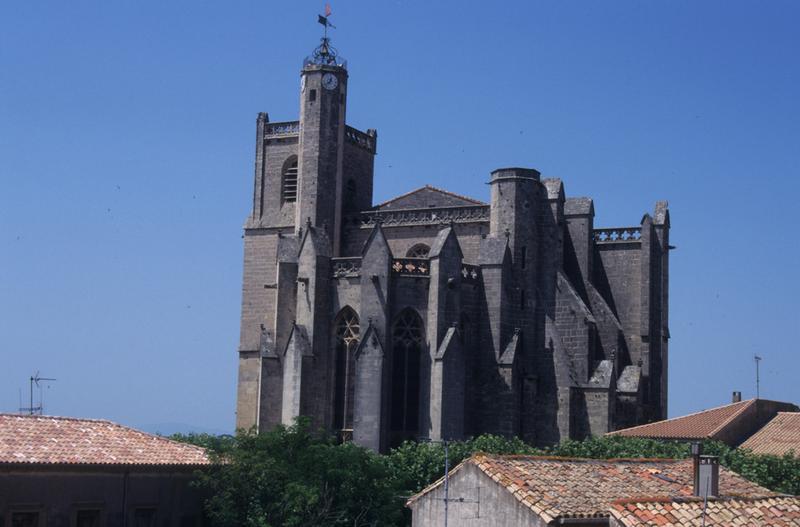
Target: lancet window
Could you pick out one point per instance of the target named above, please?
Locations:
(346, 335)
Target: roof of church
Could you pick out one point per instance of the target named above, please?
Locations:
(48, 440)
(586, 488)
(777, 511)
(778, 437)
(428, 197)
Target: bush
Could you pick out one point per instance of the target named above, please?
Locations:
(292, 477)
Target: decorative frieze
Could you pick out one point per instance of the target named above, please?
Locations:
(287, 128)
(346, 267)
(438, 216)
(470, 274)
(618, 235)
(411, 266)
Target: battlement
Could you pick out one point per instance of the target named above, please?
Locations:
(367, 140)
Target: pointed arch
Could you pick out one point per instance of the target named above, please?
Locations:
(346, 334)
(419, 250)
(408, 343)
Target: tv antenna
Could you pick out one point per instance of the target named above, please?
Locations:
(758, 380)
(36, 410)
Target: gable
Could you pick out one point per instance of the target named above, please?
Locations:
(428, 197)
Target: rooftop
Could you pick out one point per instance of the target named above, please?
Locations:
(778, 437)
(777, 511)
(48, 440)
(585, 488)
(700, 425)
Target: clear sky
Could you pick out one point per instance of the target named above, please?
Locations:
(126, 152)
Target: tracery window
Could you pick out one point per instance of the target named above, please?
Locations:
(420, 250)
(346, 335)
(407, 344)
(289, 180)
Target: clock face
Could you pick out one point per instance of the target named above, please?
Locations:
(329, 81)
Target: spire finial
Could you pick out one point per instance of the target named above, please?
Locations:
(325, 54)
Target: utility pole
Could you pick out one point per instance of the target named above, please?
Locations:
(446, 481)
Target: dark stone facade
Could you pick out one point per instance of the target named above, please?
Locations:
(434, 315)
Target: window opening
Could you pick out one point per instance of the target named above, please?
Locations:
(407, 344)
(346, 339)
(289, 187)
(418, 251)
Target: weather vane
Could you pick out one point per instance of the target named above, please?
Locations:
(325, 54)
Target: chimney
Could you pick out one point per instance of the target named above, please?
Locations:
(737, 397)
(707, 476)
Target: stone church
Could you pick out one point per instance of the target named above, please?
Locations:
(434, 315)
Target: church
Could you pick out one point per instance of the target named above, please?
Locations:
(435, 316)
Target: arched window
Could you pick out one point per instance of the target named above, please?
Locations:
(345, 341)
(407, 344)
(289, 180)
(420, 250)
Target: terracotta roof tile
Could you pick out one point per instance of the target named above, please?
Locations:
(565, 487)
(28, 439)
(778, 511)
(778, 437)
(700, 425)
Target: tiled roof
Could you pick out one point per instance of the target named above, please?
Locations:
(584, 488)
(777, 511)
(778, 437)
(27, 439)
(701, 425)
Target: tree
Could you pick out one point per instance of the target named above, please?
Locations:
(292, 477)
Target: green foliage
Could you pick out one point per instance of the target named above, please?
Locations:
(292, 477)
(211, 442)
(777, 473)
(416, 465)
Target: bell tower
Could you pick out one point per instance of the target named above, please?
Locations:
(323, 97)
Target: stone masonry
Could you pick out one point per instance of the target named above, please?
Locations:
(434, 315)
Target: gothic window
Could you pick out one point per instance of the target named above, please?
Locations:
(289, 180)
(345, 343)
(420, 250)
(407, 344)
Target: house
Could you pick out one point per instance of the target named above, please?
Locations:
(732, 424)
(504, 491)
(778, 437)
(69, 472)
(777, 511)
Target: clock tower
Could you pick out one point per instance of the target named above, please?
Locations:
(323, 97)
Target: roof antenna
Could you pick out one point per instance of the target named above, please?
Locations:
(35, 410)
(758, 380)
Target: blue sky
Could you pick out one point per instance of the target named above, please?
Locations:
(126, 153)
